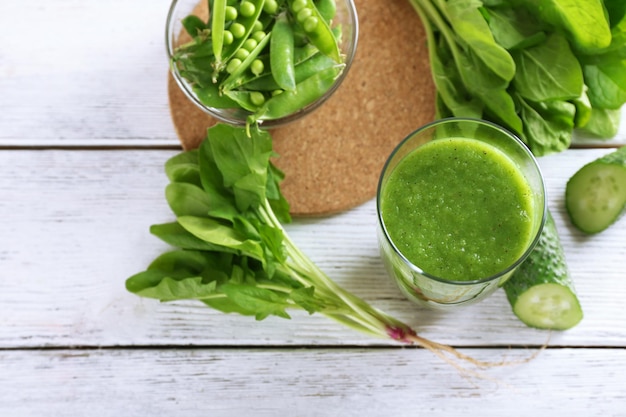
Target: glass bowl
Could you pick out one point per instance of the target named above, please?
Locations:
(345, 17)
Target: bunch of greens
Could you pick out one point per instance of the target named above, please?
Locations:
(541, 68)
(232, 252)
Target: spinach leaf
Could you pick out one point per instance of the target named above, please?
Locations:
(549, 71)
(548, 125)
(604, 123)
(515, 28)
(584, 22)
(471, 27)
(607, 84)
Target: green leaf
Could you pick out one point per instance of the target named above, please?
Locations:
(549, 71)
(183, 167)
(187, 199)
(583, 110)
(548, 126)
(490, 89)
(169, 289)
(182, 263)
(242, 161)
(278, 202)
(585, 22)
(176, 235)
(222, 235)
(450, 87)
(261, 301)
(222, 199)
(472, 29)
(603, 123)
(305, 298)
(607, 84)
(616, 10)
(515, 28)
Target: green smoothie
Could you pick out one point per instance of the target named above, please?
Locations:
(459, 209)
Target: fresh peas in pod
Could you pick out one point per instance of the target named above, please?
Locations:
(268, 57)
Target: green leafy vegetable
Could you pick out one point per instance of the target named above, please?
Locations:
(541, 68)
(232, 252)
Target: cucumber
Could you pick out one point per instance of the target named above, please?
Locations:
(541, 291)
(595, 196)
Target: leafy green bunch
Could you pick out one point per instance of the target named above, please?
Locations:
(231, 251)
(541, 68)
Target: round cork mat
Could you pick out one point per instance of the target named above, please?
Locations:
(333, 157)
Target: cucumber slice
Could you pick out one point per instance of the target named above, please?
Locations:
(595, 196)
(541, 291)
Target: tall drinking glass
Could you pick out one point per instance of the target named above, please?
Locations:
(461, 204)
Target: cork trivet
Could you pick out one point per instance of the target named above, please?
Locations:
(332, 158)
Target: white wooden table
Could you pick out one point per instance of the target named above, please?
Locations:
(84, 133)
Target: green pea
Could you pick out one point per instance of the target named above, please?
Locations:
(257, 98)
(242, 53)
(304, 14)
(228, 37)
(298, 5)
(249, 44)
(310, 24)
(257, 26)
(238, 30)
(270, 6)
(231, 13)
(233, 64)
(258, 35)
(257, 67)
(247, 9)
(317, 29)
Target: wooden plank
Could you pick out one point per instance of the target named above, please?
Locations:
(84, 73)
(307, 382)
(74, 226)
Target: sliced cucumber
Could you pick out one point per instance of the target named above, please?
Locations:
(595, 197)
(541, 291)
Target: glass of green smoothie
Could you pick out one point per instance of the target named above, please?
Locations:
(460, 203)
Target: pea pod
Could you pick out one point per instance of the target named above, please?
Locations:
(318, 62)
(231, 81)
(316, 28)
(218, 19)
(327, 9)
(281, 53)
(244, 99)
(247, 22)
(305, 93)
